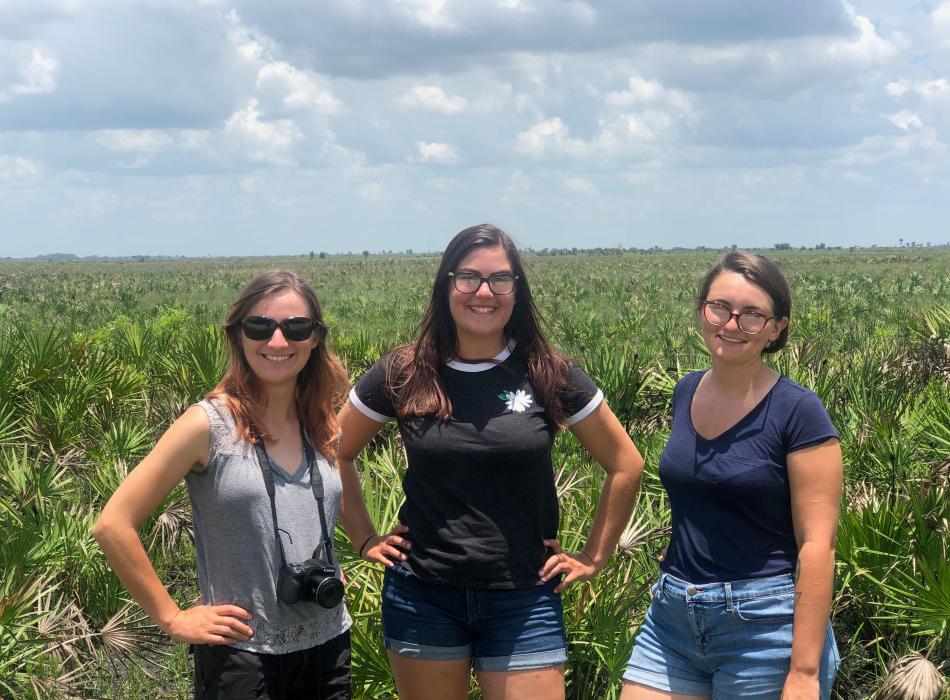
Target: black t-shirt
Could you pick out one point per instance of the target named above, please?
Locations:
(480, 491)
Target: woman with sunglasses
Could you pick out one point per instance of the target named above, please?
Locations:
(478, 398)
(256, 455)
(753, 472)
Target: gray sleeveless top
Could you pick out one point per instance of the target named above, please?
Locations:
(238, 559)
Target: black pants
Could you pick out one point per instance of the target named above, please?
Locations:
(318, 673)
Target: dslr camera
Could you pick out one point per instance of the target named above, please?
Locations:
(313, 580)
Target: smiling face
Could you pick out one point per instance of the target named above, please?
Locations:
(278, 360)
(727, 343)
(480, 317)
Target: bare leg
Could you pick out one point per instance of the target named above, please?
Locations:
(635, 691)
(424, 679)
(547, 683)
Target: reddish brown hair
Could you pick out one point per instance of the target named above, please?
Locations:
(412, 370)
(321, 385)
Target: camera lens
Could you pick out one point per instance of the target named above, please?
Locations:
(329, 592)
(324, 587)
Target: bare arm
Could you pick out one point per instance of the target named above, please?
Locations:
(609, 444)
(815, 475)
(183, 446)
(357, 430)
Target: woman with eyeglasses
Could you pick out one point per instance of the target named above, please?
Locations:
(474, 570)
(256, 455)
(753, 472)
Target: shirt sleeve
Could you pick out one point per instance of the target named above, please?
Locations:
(371, 397)
(808, 424)
(580, 397)
(682, 386)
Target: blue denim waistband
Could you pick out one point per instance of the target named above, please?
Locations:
(727, 591)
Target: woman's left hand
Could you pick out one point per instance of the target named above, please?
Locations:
(576, 566)
(801, 686)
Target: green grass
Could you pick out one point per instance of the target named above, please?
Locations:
(96, 359)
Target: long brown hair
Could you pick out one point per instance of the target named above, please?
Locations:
(413, 370)
(321, 384)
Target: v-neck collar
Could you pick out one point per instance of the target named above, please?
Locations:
(739, 423)
(289, 478)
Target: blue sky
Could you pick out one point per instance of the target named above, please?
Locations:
(208, 127)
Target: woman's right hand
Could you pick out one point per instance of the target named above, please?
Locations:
(210, 624)
(384, 549)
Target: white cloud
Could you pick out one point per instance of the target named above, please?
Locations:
(549, 137)
(678, 111)
(642, 91)
(917, 145)
(268, 141)
(647, 125)
(251, 183)
(659, 107)
(537, 69)
(579, 185)
(38, 74)
(931, 89)
(905, 120)
(35, 74)
(278, 80)
(618, 136)
(18, 168)
(431, 98)
(142, 140)
(935, 89)
(898, 88)
(941, 21)
(438, 153)
(250, 48)
(429, 13)
(299, 90)
(868, 48)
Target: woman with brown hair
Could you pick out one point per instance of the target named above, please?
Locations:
(474, 572)
(256, 455)
(753, 471)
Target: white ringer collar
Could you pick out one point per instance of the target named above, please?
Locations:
(482, 366)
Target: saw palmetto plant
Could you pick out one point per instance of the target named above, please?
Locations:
(97, 358)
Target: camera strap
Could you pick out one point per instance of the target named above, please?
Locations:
(316, 485)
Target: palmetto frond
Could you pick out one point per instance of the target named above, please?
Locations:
(912, 677)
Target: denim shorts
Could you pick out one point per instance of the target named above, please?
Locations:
(500, 630)
(725, 640)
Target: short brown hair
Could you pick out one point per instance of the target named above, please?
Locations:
(761, 272)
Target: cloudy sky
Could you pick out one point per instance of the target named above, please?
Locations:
(244, 127)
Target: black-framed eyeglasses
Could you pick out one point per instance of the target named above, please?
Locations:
(468, 282)
(752, 322)
(295, 328)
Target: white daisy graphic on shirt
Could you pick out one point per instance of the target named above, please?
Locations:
(516, 401)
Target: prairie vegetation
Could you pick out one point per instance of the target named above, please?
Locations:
(96, 359)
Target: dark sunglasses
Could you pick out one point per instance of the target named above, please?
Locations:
(296, 328)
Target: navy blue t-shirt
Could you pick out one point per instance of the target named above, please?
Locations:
(480, 490)
(729, 496)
